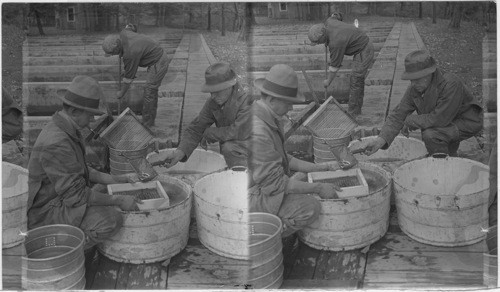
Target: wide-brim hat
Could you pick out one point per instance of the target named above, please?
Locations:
(218, 76)
(84, 93)
(418, 64)
(281, 82)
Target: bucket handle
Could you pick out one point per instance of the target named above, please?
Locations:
(239, 168)
(440, 155)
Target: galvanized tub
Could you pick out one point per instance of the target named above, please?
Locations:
(402, 150)
(153, 235)
(119, 159)
(322, 138)
(265, 249)
(442, 201)
(54, 258)
(355, 222)
(200, 163)
(14, 204)
(221, 208)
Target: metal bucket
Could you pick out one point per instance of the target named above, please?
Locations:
(266, 257)
(402, 150)
(54, 258)
(119, 159)
(200, 163)
(153, 235)
(14, 204)
(442, 201)
(327, 139)
(221, 208)
(354, 222)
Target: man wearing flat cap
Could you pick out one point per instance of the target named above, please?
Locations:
(343, 39)
(60, 182)
(138, 50)
(271, 189)
(447, 112)
(229, 109)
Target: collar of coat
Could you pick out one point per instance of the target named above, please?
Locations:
(66, 125)
(266, 114)
(236, 95)
(437, 79)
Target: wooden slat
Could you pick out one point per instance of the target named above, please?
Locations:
(305, 264)
(147, 277)
(107, 274)
(11, 267)
(196, 267)
(123, 275)
(91, 268)
(319, 284)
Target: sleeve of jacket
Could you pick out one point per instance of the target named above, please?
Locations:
(65, 172)
(239, 129)
(130, 66)
(395, 120)
(449, 101)
(336, 56)
(266, 162)
(194, 132)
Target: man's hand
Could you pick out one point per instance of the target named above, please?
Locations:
(328, 191)
(405, 131)
(130, 178)
(173, 158)
(326, 83)
(374, 145)
(203, 143)
(128, 203)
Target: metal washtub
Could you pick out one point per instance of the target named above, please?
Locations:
(54, 258)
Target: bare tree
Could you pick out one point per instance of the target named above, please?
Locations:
(434, 12)
(248, 21)
(209, 17)
(34, 11)
(420, 10)
(222, 20)
(456, 17)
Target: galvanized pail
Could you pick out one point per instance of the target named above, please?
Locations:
(153, 235)
(442, 201)
(265, 250)
(54, 258)
(330, 144)
(14, 204)
(354, 222)
(221, 208)
(119, 159)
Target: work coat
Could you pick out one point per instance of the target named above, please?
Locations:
(446, 101)
(268, 161)
(58, 183)
(232, 122)
(343, 39)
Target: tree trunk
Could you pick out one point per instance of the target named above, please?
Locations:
(222, 21)
(420, 10)
(247, 23)
(434, 12)
(209, 17)
(456, 17)
(38, 22)
(236, 15)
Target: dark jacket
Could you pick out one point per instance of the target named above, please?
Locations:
(231, 121)
(446, 100)
(58, 183)
(12, 118)
(343, 39)
(138, 51)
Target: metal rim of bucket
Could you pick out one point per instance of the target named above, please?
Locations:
(372, 167)
(61, 226)
(415, 161)
(274, 217)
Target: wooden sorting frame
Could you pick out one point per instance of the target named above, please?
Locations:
(147, 204)
(360, 189)
(330, 115)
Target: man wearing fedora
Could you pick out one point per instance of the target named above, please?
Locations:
(271, 188)
(60, 182)
(229, 109)
(345, 39)
(138, 50)
(447, 112)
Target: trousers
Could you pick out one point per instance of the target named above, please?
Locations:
(360, 65)
(154, 77)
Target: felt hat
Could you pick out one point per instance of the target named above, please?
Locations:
(84, 93)
(316, 32)
(218, 76)
(111, 45)
(418, 64)
(281, 82)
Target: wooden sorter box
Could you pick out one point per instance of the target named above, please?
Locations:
(351, 181)
(152, 194)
